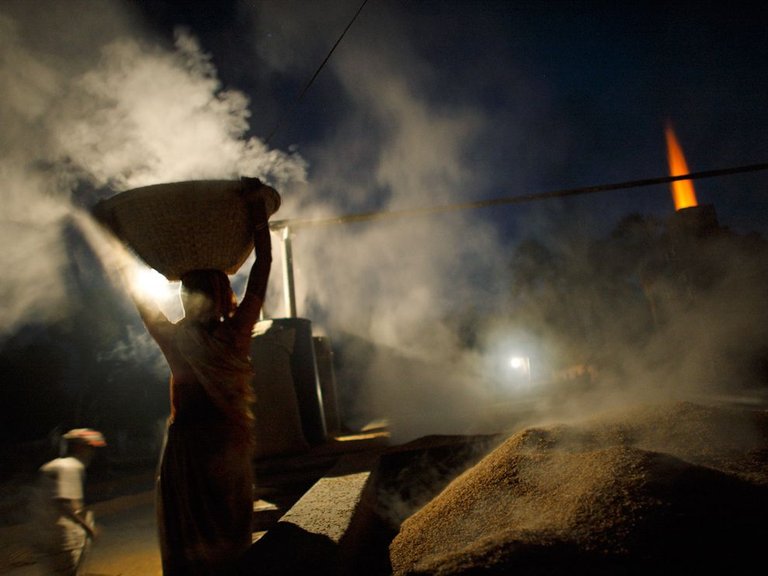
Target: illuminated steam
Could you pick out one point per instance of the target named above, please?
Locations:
(88, 115)
(399, 284)
(420, 302)
(161, 117)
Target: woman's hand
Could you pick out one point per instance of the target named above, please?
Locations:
(262, 241)
(253, 192)
(256, 193)
(251, 189)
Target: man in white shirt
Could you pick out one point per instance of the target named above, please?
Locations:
(65, 529)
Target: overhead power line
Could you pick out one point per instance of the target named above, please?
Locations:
(563, 193)
(303, 91)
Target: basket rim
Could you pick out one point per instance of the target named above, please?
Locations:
(198, 188)
(156, 206)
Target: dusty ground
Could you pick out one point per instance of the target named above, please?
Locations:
(124, 506)
(127, 545)
(589, 497)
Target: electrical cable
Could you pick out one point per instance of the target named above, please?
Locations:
(300, 96)
(376, 215)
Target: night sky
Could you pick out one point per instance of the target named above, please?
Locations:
(564, 94)
(422, 104)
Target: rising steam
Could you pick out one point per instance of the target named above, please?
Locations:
(417, 302)
(121, 111)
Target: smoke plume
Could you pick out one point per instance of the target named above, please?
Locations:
(87, 115)
(426, 310)
(437, 305)
(400, 285)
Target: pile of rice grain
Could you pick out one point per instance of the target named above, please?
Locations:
(658, 489)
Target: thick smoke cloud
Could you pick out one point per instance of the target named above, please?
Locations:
(400, 284)
(87, 115)
(146, 115)
(32, 256)
(427, 309)
(409, 138)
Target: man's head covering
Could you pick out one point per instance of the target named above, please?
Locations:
(85, 436)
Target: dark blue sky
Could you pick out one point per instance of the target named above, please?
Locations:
(575, 93)
(422, 104)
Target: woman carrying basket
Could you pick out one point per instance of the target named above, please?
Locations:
(205, 480)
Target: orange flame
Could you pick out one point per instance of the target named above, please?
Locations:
(683, 192)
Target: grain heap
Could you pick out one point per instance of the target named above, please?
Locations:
(658, 489)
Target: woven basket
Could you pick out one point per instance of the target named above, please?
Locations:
(183, 226)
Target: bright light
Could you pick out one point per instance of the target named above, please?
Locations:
(521, 366)
(151, 284)
(511, 362)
